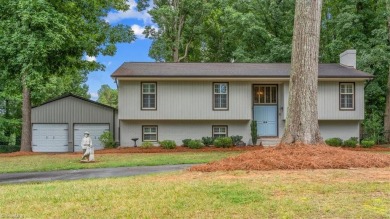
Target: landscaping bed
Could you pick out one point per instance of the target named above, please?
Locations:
(299, 156)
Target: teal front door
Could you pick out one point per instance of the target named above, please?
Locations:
(266, 117)
(265, 110)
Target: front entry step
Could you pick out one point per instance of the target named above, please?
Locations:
(268, 141)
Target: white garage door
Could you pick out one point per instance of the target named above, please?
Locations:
(50, 138)
(95, 130)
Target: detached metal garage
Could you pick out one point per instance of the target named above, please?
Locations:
(59, 124)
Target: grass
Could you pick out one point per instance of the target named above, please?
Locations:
(71, 161)
(358, 193)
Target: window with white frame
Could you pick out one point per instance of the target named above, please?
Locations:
(347, 96)
(220, 92)
(220, 131)
(149, 133)
(149, 93)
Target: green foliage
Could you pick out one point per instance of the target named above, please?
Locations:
(168, 144)
(236, 139)
(9, 148)
(185, 142)
(352, 142)
(43, 43)
(223, 142)
(207, 141)
(367, 143)
(146, 144)
(195, 144)
(107, 139)
(108, 96)
(373, 127)
(254, 132)
(334, 142)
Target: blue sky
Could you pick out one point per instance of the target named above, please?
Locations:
(137, 51)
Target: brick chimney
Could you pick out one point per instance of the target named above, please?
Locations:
(348, 58)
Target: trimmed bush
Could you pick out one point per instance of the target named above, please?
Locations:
(223, 142)
(107, 139)
(334, 142)
(195, 144)
(352, 142)
(146, 144)
(207, 141)
(368, 143)
(168, 144)
(236, 139)
(254, 132)
(186, 141)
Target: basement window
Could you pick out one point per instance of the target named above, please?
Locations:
(220, 131)
(149, 133)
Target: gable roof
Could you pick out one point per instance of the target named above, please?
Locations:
(234, 70)
(75, 96)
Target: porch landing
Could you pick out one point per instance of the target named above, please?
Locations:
(268, 141)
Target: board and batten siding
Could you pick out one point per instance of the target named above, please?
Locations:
(184, 100)
(328, 102)
(71, 110)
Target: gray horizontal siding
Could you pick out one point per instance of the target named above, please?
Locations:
(184, 101)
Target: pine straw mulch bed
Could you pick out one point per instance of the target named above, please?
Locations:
(129, 150)
(298, 156)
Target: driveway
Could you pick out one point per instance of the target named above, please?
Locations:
(87, 173)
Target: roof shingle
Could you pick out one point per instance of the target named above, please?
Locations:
(238, 70)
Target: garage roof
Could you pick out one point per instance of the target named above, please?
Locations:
(75, 96)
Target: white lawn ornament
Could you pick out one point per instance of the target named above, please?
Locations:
(88, 150)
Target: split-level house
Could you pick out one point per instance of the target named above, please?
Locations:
(176, 101)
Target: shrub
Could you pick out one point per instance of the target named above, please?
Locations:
(9, 148)
(147, 144)
(254, 132)
(334, 142)
(223, 142)
(207, 141)
(168, 144)
(368, 143)
(185, 142)
(236, 139)
(107, 140)
(352, 142)
(195, 144)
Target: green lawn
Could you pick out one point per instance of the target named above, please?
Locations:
(357, 193)
(71, 161)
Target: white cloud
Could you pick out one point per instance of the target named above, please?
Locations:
(94, 96)
(132, 13)
(138, 31)
(90, 58)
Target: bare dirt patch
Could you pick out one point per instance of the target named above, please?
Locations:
(298, 156)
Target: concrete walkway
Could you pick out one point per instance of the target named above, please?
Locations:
(9, 178)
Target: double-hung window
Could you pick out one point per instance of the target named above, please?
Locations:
(347, 96)
(149, 94)
(220, 131)
(220, 96)
(149, 133)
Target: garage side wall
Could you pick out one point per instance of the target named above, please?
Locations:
(71, 110)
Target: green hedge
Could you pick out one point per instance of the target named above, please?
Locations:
(9, 148)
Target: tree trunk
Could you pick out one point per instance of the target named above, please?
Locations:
(302, 112)
(26, 120)
(387, 110)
